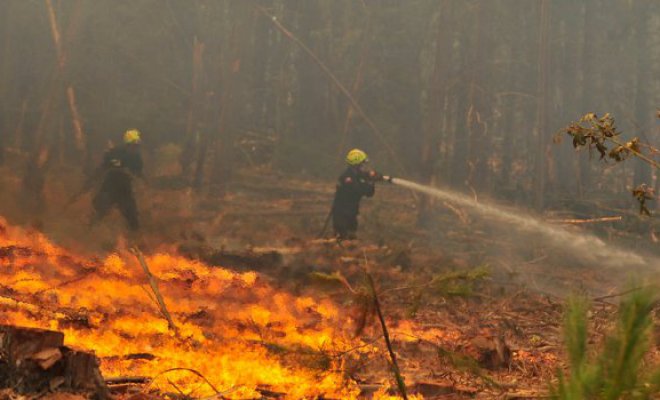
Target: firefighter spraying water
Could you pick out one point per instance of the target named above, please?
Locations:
(356, 182)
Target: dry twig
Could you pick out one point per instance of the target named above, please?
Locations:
(395, 366)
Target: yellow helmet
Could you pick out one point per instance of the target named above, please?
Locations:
(132, 136)
(356, 157)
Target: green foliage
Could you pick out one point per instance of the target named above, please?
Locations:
(618, 371)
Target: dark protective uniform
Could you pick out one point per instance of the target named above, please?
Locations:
(119, 164)
(353, 184)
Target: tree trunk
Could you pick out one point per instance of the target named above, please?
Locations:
(589, 46)
(402, 63)
(60, 42)
(476, 124)
(311, 120)
(436, 109)
(262, 64)
(567, 81)
(643, 113)
(194, 112)
(203, 142)
(543, 97)
(233, 96)
(4, 80)
(211, 34)
(509, 104)
(459, 166)
(355, 87)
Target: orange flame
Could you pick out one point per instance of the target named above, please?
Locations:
(236, 329)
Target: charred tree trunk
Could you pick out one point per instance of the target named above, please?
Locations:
(196, 103)
(206, 118)
(33, 184)
(203, 142)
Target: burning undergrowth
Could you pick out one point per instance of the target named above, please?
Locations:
(235, 329)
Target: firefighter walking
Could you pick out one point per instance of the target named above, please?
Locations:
(120, 164)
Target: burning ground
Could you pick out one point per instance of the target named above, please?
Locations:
(231, 326)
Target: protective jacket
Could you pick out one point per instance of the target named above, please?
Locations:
(118, 167)
(352, 185)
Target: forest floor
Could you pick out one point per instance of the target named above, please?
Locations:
(474, 308)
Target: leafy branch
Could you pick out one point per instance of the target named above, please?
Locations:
(601, 134)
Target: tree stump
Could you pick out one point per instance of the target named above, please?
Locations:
(492, 352)
(36, 361)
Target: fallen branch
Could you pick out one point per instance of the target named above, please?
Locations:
(270, 393)
(60, 285)
(625, 292)
(120, 380)
(194, 372)
(31, 307)
(585, 221)
(525, 395)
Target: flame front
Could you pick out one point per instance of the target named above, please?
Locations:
(235, 329)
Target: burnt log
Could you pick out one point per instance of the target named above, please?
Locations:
(36, 361)
(242, 260)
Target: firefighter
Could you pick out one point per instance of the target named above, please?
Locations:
(120, 164)
(356, 182)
